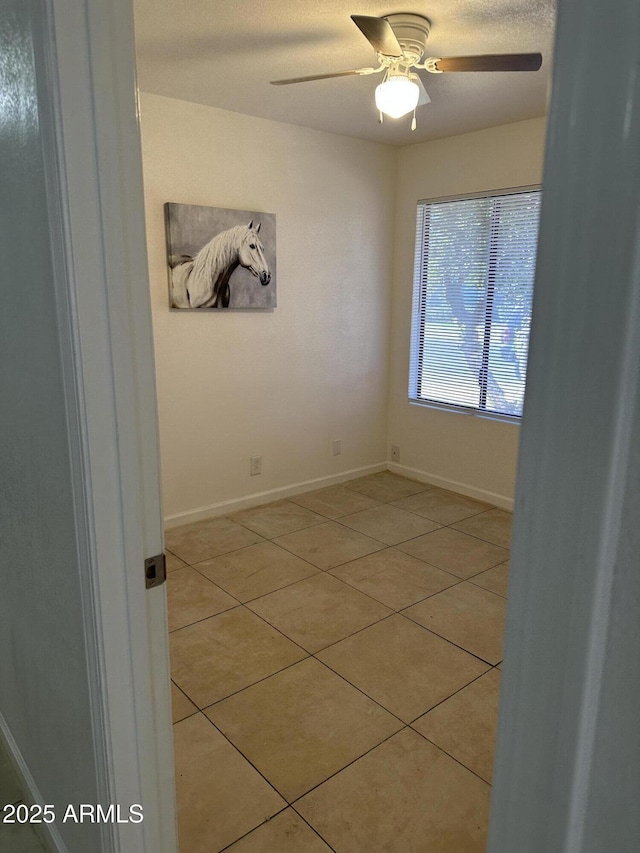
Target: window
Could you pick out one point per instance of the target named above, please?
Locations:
(473, 288)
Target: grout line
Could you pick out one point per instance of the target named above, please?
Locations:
(332, 569)
(311, 826)
(255, 828)
(352, 559)
(405, 606)
(435, 633)
(348, 636)
(384, 740)
(461, 581)
(472, 580)
(248, 760)
(314, 654)
(435, 520)
(316, 571)
(384, 707)
(169, 551)
(440, 524)
(346, 526)
(457, 760)
(334, 642)
(360, 690)
(414, 557)
(272, 817)
(307, 655)
(446, 699)
(212, 582)
(177, 686)
(480, 538)
(354, 634)
(339, 580)
(213, 556)
(403, 725)
(204, 619)
(248, 686)
(217, 585)
(275, 627)
(278, 535)
(385, 544)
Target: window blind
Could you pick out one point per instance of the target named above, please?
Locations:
(473, 290)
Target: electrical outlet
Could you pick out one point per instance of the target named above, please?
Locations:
(255, 465)
(395, 453)
(337, 447)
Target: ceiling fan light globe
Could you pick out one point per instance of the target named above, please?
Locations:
(397, 96)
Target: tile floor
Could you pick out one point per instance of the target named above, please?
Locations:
(335, 671)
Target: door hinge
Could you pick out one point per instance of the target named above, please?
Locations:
(155, 571)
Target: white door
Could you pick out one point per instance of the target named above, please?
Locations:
(567, 776)
(84, 677)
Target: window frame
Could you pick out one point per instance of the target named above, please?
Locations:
(418, 309)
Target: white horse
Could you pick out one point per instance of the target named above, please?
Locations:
(203, 281)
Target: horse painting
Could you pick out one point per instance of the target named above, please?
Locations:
(203, 281)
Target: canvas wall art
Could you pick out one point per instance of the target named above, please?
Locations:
(220, 258)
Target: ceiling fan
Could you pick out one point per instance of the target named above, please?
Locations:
(400, 42)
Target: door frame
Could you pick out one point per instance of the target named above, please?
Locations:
(111, 388)
(87, 95)
(567, 775)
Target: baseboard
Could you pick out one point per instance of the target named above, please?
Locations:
(501, 501)
(48, 834)
(225, 507)
(258, 498)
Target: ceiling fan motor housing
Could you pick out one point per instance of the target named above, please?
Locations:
(412, 31)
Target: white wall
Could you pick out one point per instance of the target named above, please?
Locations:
(281, 384)
(469, 454)
(321, 366)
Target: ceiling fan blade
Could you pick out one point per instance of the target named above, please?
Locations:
(323, 76)
(491, 62)
(379, 34)
(424, 95)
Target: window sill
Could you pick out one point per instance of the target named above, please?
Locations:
(460, 410)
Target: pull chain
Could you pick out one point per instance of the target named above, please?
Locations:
(413, 121)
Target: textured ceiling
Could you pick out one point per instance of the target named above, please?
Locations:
(224, 53)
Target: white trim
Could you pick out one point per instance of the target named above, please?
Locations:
(481, 194)
(258, 498)
(66, 292)
(108, 312)
(501, 501)
(47, 833)
(567, 775)
(438, 406)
